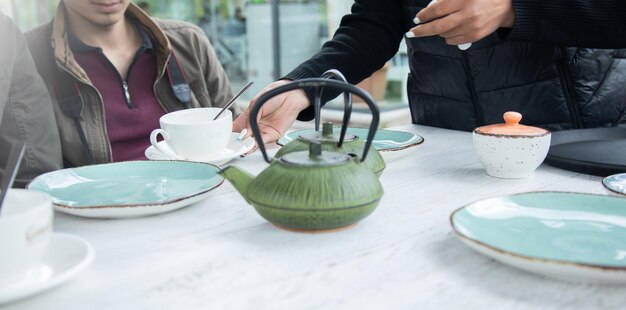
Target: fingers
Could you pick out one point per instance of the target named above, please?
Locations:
(436, 27)
(241, 122)
(463, 21)
(459, 40)
(437, 9)
(275, 116)
(268, 135)
(463, 35)
(454, 32)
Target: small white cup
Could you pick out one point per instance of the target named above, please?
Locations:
(511, 150)
(25, 230)
(193, 134)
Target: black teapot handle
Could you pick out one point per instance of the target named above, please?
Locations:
(347, 101)
(317, 83)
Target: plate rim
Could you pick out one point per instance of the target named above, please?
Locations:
(532, 259)
(392, 149)
(132, 205)
(611, 189)
(62, 277)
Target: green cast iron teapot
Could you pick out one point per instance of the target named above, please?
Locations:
(341, 143)
(310, 190)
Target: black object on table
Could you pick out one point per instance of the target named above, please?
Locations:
(595, 151)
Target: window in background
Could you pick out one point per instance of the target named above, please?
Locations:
(241, 34)
(28, 13)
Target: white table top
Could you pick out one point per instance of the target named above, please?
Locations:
(220, 254)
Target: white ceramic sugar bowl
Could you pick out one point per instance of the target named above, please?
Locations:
(511, 150)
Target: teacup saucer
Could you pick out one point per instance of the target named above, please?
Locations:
(66, 256)
(234, 149)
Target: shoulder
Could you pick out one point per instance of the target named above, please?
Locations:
(39, 37)
(186, 38)
(178, 28)
(39, 41)
(7, 23)
(10, 33)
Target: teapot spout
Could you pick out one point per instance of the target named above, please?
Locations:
(238, 178)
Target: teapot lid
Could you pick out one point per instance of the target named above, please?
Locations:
(511, 127)
(315, 157)
(327, 135)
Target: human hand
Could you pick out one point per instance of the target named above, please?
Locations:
(463, 21)
(276, 115)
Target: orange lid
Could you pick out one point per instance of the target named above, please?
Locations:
(511, 127)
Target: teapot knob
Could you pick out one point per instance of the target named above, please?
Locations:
(512, 118)
(315, 149)
(327, 129)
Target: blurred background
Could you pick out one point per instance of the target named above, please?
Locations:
(260, 40)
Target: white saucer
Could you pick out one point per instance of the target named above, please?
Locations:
(234, 149)
(66, 256)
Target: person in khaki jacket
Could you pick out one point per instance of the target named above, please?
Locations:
(25, 110)
(113, 71)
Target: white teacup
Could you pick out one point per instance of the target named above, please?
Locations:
(193, 134)
(25, 230)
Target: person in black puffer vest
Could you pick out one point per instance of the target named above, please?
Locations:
(527, 68)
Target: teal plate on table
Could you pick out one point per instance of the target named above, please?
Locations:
(391, 144)
(571, 236)
(128, 189)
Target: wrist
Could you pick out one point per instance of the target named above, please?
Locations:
(301, 101)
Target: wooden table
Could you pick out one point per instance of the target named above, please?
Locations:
(219, 254)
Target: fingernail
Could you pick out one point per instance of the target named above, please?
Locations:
(464, 46)
(410, 34)
(242, 134)
(416, 20)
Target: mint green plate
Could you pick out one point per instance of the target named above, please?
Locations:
(391, 144)
(128, 189)
(571, 236)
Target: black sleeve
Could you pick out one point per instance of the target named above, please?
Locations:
(365, 40)
(583, 23)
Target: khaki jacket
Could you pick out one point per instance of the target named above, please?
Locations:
(25, 110)
(50, 48)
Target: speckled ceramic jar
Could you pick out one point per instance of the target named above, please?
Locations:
(511, 150)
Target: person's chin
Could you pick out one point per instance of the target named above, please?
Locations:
(105, 23)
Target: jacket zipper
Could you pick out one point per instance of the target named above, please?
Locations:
(568, 90)
(478, 113)
(124, 83)
(127, 94)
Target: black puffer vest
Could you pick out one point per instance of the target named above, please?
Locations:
(553, 87)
